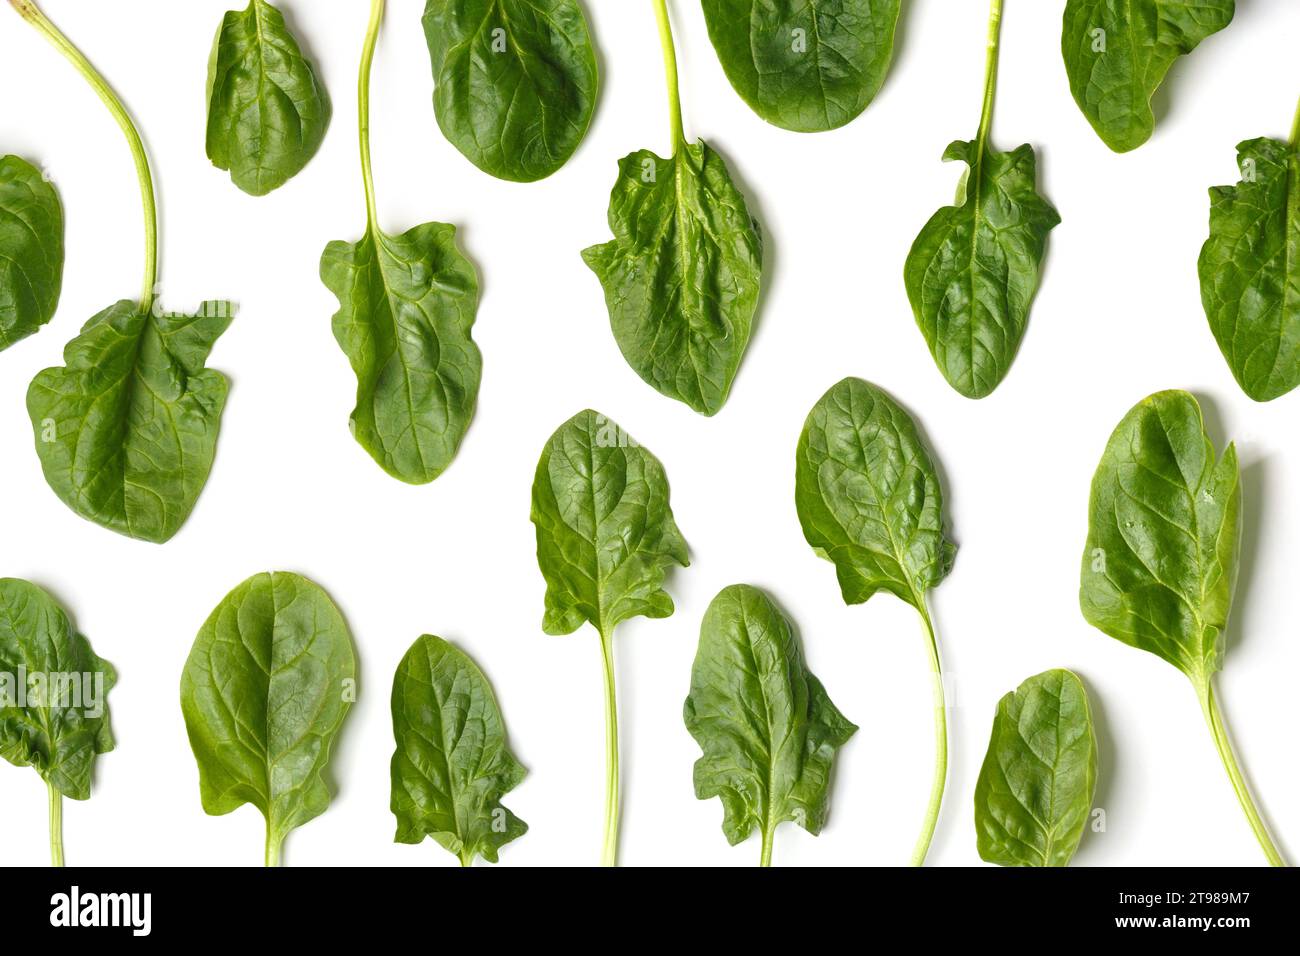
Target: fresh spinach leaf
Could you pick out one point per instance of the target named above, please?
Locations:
(869, 500)
(767, 727)
(31, 250)
(1250, 268)
(1035, 789)
(681, 276)
(264, 692)
(406, 307)
(54, 712)
(972, 272)
(267, 108)
(1117, 53)
(126, 430)
(451, 766)
(805, 65)
(605, 539)
(514, 82)
(1160, 563)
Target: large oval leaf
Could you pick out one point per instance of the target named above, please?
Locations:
(514, 81)
(805, 65)
(1034, 792)
(31, 250)
(451, 766)
(127, 429)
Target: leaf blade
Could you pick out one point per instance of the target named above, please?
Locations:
(31, 250)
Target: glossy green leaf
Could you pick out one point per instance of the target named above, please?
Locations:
(264, 692)
(514, 81)
(805, 65)
(127, 429)
(682, 274)
(768, 730)
(1034, 792)
(451, 766)
(1250, 269)
(972, 272)
(1118, 52)
(267, 109)
(31, 250)
(53, 691)
(868, 495)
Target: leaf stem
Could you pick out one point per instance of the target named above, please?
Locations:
(990, 72)
(766, 858)
(29, 12)
(56, 825)
(363, 107)
(1295, 129)
(610, 855)
(1219, 730)
(940, 739)
(670, 71)
(272, 847)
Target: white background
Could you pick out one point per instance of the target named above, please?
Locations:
(1118, 317)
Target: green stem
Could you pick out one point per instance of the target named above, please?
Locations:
(29, 12)
(990, 73)
(363, 107)
(940, 739)
(1210, 707)
(610, 855)
(670, 71)
(766, 858)
(1295, 129)
(56, 825)
(272, 847)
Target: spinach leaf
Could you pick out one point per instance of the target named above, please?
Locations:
(681, 276)
(54, 712)
(451, 766)
(514, 82)
(1160, 563)
(1035, 789)
(267, 108)
(869, 500)
(972, 272)
(1250, 268)
(768, 730)
(31, 250)
(126, 430)
(805, 65)
(265, 689)
(605, 539)
(1117, 53)
(406, 307)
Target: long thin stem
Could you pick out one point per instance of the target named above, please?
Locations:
(29, 12)
(363, 106)
(610, 855)
(766, 858)
(670, 71)
(940, 739)
(1210, 706)
(272, 847)
(1295, 129)
(990, 73)
(56, 825)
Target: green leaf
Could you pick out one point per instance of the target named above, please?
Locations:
(1250, 269)
(267, 108)
(514, 81)
(868, 496)
(1034, 792)
(972, 272)
(805, 65)
(1117, 53)
(1163, 524)
(127, 429)
(451, 766)
(53, 691)
(267, 684)
(406, 309)
(605, 530)
(767, 728)
(31, 250)
(681, 276)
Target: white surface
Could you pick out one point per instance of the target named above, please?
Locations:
(1118, 317)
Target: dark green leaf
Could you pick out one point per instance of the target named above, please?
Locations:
(681, 276)
(127, 429)
(805, 65)
(514, 81)
(1117, 53)
(767, 728)
(31, 250)
(451, 766)
(1035, 789)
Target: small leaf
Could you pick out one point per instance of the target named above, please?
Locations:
(31, 250)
